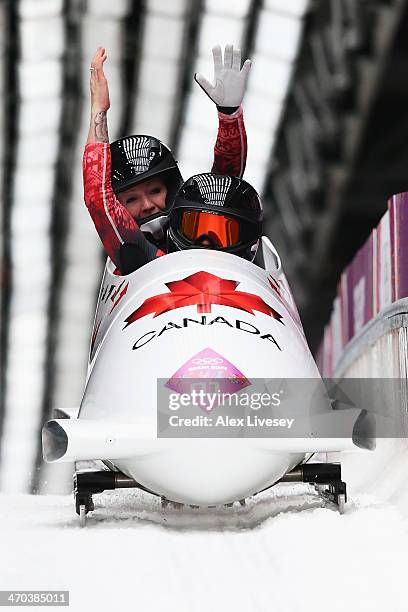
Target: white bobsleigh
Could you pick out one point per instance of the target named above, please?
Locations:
(190, 313)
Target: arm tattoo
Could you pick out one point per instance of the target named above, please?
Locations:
(101, 127)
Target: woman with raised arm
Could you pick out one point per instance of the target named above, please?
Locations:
(132, 182)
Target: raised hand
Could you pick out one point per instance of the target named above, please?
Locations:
(100, 103)
(230, 79)
(99, 84)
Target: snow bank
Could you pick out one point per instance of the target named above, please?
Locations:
(134, 555)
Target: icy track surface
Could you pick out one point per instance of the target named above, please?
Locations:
(281, 552)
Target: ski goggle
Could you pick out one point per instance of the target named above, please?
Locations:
(223, 231)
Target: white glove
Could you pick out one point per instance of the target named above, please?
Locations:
(230, 80)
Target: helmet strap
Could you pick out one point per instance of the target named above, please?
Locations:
(155, 227)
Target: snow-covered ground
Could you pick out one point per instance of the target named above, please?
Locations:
(281, 552)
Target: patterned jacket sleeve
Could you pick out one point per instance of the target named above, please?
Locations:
(230, 151)
(113, 223)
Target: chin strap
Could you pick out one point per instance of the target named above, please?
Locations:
(156, 228)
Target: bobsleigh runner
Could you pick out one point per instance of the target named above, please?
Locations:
(195, 314)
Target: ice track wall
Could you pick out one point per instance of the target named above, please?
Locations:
(380, 350)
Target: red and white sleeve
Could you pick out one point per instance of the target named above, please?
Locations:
(113, 223)
(230, 151)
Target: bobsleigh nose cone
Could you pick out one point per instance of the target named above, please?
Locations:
(209, 474)
(364, 431)
(54, 441)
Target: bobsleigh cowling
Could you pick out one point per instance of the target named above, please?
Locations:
(203, 305)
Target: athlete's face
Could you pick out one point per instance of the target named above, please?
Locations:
(145, 198)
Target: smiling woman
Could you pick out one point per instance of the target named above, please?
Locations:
(144, 199)
(134, 160)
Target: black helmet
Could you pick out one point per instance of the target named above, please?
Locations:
(216, 211)
(138, 158)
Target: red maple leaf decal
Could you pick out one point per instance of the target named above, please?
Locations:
(203, 290)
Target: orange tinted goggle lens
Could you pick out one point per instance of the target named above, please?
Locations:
(223, 230)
